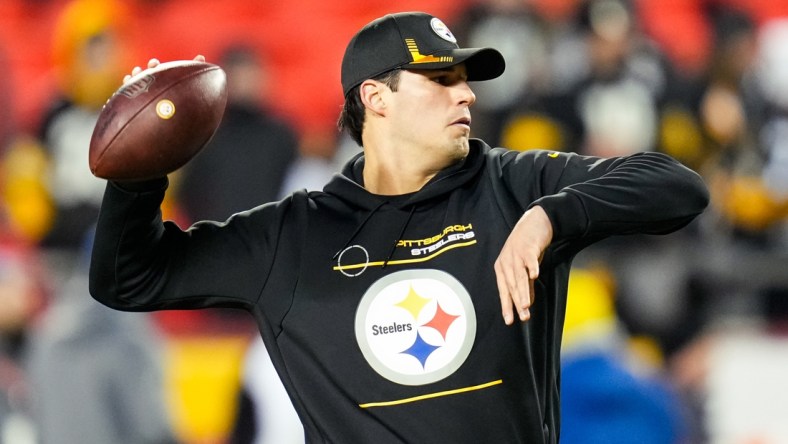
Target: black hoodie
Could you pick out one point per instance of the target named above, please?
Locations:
(382, 314)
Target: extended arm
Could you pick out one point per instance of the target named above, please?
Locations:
(582, 199)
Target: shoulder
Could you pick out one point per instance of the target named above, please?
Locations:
(504, 158)
(304, 201)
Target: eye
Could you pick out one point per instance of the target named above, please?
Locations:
(441, 80)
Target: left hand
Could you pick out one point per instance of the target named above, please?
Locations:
(152, 63)
(517, 266)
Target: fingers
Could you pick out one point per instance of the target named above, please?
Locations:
(522, 294)
(504, 294)
(517, 266)
(532, 271)
(515, 282)
(152, 63)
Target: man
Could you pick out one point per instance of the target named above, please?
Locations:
(376, 297)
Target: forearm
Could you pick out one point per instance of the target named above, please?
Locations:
(128, 229)
(646, 193)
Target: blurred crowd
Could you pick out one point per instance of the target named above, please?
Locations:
(675, 339)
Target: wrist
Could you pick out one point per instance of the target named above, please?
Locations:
(142, 186)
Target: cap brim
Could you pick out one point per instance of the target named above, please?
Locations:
(480, 63)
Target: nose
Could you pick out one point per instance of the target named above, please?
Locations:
(465, 94)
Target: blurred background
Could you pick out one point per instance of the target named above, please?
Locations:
(674, 339)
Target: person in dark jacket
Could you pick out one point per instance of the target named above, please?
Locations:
(420, 296)
(245, 162)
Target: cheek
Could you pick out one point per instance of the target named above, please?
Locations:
(414, 116)
(417, 114)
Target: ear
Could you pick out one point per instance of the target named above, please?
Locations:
(372, 92)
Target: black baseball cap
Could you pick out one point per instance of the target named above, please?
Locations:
(412, 40)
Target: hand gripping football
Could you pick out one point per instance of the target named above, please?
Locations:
(158, 121)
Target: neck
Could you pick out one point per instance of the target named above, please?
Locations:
(393, 175)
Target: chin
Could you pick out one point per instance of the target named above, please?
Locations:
(462, 148)
(449, 153)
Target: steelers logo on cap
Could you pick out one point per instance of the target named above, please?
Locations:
(442, 30)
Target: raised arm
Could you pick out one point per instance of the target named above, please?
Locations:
(142, 263)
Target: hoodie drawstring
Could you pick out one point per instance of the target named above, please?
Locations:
(355, 233)
(399, 236)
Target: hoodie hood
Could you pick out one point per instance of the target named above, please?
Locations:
(349, 184)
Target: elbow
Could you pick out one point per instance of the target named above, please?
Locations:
(102, 288)
(696, 194)
(683, 195)
(686, 187)
(703, 199)
(108, 299)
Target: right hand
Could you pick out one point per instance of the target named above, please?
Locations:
(152, 63)
(517, 266)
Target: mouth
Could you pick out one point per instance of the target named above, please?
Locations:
(463, 121)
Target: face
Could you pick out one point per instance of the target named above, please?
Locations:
(430, 113)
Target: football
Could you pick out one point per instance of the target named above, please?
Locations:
(158, 120)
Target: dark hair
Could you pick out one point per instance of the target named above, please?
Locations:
(351, 119)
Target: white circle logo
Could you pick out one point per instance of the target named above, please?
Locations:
(416, 327)
(442, 30)
(165, 109)
(353, 270)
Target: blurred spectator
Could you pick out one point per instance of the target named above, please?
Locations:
(321, 155)
(23, 189)
(611, 392)
(88, 52)
(510, 27)
(727, 109)
(567, 60)
(245, 163)
(21, 298)
(266, 414)
(741, 113)
(771, 69)
(95, 373)
(618, 102)
(600, 86)
(24, 196)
